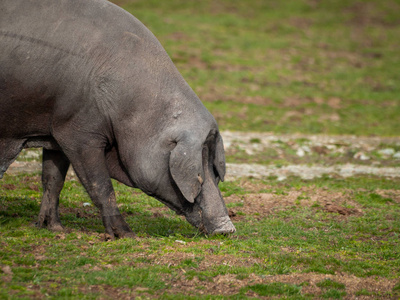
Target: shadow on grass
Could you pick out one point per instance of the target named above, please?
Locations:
(16, 207)
(24, 210)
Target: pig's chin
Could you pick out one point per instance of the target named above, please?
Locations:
(194, 217)
(222, 225)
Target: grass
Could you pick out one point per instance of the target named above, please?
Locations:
(273, 289)
(170, 258)
(328, 67)
(296, 66)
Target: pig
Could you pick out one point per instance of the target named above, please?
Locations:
(91, 85)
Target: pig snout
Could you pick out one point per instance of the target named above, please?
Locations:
(221, 225)
(214, 215)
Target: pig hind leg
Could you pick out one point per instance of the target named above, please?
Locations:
(55, 167)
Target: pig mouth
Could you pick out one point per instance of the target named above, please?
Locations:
(219, 225)
(225, 226)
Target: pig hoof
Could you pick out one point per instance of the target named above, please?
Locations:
(111, 236)
(116, 227)
(108, 237)
(54, 226)
(129, 235)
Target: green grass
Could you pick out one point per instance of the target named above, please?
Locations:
(292, 240)
(291, 66)
(296, 66)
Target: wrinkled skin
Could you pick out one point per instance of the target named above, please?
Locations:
(90, 84)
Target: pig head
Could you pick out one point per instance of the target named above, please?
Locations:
(93, 87)
(178, 159)
(183, 172)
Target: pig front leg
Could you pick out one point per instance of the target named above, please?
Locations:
(54, 169)
(90, 165)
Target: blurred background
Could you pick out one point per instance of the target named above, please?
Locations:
(293, 66)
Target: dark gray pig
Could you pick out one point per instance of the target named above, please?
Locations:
(91, 84)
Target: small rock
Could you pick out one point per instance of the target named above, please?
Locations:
(7, 270)
(86, 204)
(32, 154)
(386, 152)
(300, 152)
(396, 155)
(361, 156)
(281, 178)
(180, 242)
(249, 151)
(303, 150)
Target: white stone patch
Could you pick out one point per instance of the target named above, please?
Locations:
(306, 172)
(386, 152)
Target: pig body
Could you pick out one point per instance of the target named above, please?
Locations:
(92, 86)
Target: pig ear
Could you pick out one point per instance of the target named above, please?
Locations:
(219, 158)
(186, 168)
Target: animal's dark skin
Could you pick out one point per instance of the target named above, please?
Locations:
(90, 84)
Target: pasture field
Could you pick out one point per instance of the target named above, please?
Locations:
(322, 238)
(306, 71)
(288, 66)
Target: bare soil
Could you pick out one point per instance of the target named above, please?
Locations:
(260, 205)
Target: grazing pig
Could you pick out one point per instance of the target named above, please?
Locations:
(91, 84)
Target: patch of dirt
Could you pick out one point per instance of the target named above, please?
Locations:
(333, 208)
(392, 194)
(34, 187)
(368, 14)
(230, 284)
(260, 205)
(9, 187)
(110, 292)
(208, 259)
